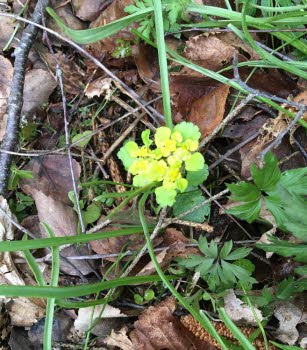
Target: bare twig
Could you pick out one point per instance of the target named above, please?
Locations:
(15, 100)
(67, 137)
(225, 121)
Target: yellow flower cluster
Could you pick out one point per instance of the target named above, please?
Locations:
(174, 154)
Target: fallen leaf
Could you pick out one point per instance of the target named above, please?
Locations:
(208, 51)
(6, 75)
(39, 84)
(239, 312)
(87, 10)
(23, 311)
(289, 316)
(7, 27)
(120, 339)
(208, 111)
(98, 87)
(158, 329)
(52, 176)
(97, 314)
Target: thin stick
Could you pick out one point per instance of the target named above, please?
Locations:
(67, 137)
(15, 100)
(229, 117)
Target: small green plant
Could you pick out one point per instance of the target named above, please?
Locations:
(16, 175)
(148, 296)
(221, 269)
(282, 194)
(122, 49)
(173, 11)
(170, 165)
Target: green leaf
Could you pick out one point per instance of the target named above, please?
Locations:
(244, 192)
(226, 249)
(95, 34)
(289, 287)
(207, 249)
(248, 212)
(91, 214)
(286, 347)
(84, 142)
(145, 138)
(162, 135)
(165, 197)
(245, 264)
(295, 181)
(196, 178)
(195, 163)
(285, 248)
(267, 177)
(188, 131)
(124, 154)
(192, 261)
(239, 253)
(205, 266)
(188, 200)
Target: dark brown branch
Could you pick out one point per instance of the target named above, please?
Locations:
(15, 100)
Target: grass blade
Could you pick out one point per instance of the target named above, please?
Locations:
(94, 34)
(75, 291)
(163, 63)
(246, 344)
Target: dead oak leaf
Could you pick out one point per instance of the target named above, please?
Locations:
(87, 10)
(208, 51)
(157, 328)
(208, 111)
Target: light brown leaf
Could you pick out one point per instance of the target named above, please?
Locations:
(7, 26)
(6, 74)
(208, 51)
(208, 111)
(120, 339)
(98, 87)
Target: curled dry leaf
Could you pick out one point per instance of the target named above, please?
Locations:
(289, 316)
(120, 339)
(23, 312)
(87, 10)
(157, 328)
(98, 87)
(6, 74)
(239, 312)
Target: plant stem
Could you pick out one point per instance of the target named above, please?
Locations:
(163, 63)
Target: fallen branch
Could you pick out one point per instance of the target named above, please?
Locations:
(15, 100)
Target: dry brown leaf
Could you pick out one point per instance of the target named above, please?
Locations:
(208, 51)
(158, 329)
(208, 111)
(87, 10)
(39, 84)
(23, 311)
(120, 339)
(52, 176)
(6, 74)
(98, 87)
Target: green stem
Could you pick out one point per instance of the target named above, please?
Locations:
(163, 63)
(203, 320)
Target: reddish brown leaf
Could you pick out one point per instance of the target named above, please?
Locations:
(208, 111)
(158, 329)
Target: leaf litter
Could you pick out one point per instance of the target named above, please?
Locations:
(195, 98)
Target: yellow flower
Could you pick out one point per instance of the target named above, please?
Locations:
(143, 152)
(176, 136)
(191, 145)
(138, 166)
